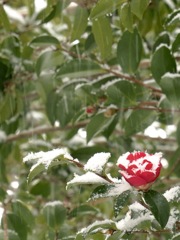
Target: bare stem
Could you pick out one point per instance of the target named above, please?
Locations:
(5, 223)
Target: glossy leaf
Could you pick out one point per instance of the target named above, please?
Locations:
(103, 35)
(21, 210)
(162, 55)
(54, 214)
(120, 202)
(80, 23)
(4, 18)
(121, 92)
(173, 17)
(126, 16)
(139, 120)
(18, 225)
(2, 194)
(45, 40)
(105, 6)
(176, 44)
(138, 7)
(129, 51)
(83, 210)
(78, 69)
(158, 206)
(97, 125)
(163, 38)
(170, 84)
(48, 61)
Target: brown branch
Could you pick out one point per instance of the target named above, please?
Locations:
(5, 223)
(41, 130)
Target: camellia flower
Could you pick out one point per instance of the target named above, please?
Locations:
(140, 169)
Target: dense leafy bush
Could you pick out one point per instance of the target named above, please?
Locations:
(80, 78)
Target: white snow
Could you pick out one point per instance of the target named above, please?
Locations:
(47, 157)
(87, 178)
(172, 194)
(119, 188)
(127, 224)
(96, 226)
(171, 75)
(53, 203)
(3, 136)
(97, 162)
(162, 45)
(173, 218)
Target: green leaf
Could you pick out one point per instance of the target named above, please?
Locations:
(42, 163)
(97, 125)
(115, 236)
(121, 201)
(105, 6)
(139, 120)
(40, 187)
(99, 226)
(126, 16)
(178, 133)
(83, 210)
(4, 19)
(138, 7)
(162, 38)
(11, 235)
(121, 92)
(176, 44)
(129, 51)
(11, 45)
(158, 206)
(55, 214)
(18, 225)
(21, 210)
(164, 116)
(173, 18)
(79, 68)
(48, 60)
(162, 62)
(107, 190)
(103, 35)
(170, 84)
(43, 41)
(7, 107)
(2, 194)
(80, 23)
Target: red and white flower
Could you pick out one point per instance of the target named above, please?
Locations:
(140, 169)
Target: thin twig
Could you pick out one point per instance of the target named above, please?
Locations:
(5, 223)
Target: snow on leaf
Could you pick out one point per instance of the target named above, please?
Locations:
(173, 194)
(129, 222)
(97, 162)
(98, 226)
(44, 160)
(87, 178)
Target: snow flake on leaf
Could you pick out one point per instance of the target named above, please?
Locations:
(97, 162)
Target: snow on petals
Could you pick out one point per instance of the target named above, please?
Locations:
(140, 169)
(97, 162)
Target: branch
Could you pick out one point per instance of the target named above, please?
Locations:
(41, 130)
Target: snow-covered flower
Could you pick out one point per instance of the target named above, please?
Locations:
(140, 169)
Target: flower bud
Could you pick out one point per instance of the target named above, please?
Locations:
(140, 169)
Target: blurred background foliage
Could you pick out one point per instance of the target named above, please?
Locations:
(88, 76)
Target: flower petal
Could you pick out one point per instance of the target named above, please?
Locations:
(148, 176)
(134, 181)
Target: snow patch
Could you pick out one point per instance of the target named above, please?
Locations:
(173, 194)
(47, 157)
(128, 223)
(171, 75)
(87, 178)
(97, 162)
